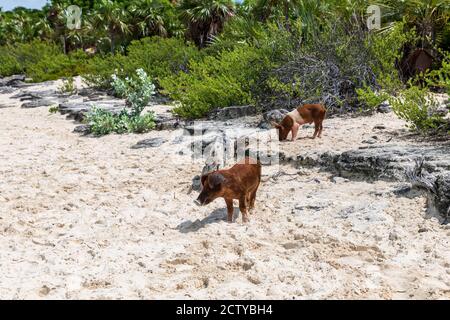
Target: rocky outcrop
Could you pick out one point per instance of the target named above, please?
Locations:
(149, 143)
(77, 110)
(38, 103)
(384, 107)
(12, 81)
(232, 112)
(272, 116)
(424, 167)
(389, 161)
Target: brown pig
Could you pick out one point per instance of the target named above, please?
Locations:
(239, 182)
(307, 113)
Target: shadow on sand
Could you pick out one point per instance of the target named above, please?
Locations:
(214, 217)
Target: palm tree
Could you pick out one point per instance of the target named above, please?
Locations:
(429, 17)
(113, 19)
(43, 28)
(263, 9)
(205, 18)
(57, 16)
(148, 16)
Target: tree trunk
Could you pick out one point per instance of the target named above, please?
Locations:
(63, 40)
(113, 44)
(286, 15)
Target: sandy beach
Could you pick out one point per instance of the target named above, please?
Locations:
(92, 218)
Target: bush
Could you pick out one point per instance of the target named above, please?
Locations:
(440, 78)
(20, 57)
(386, 49)
(137, 93)
(102, 122)
(216, 82)
(100, 68)
(67, 86)
(8, 62)
(161, 57)
(325, 69)
(58, 66)
(158, 57)
(370, 98)
(41, 61)
(419, 109)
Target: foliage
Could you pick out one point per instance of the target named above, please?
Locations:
(137, 92)
(205, 18)
(216, 82)
(428, 17)
(67, 86)
(440, 78)
(419, 109)
(161, 57)
(386, 50)
(18, 58)
(370, 98)
(41, 61)
(327, 69)
(58, 66)
(8, 62)
(99, 69)
(53, 109)
(102, 122)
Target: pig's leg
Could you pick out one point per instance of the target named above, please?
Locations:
(316, 129)
(252, 201)
(248, 199)
(243, 208)
(320, 130)
(294, 130)
(230, 210)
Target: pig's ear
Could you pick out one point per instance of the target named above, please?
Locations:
(275, 125)
(203, 179)
(215, 180)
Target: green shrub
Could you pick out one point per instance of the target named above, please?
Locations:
(158, 57)
(100, 68)
(137, 92)
(41, 61)
(161, 57)
(370, 98)
(53, 109)
(102, 122)
(324, 69)
(216, 81)
(386, 48)
(67, 86)
(20, 57)
(8, 62)
(440, 78)
(418, 108)
(58, 66)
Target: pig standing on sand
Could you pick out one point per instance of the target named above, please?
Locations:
(239, 182)
(307, 113)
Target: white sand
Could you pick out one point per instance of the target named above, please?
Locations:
(85, 217)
